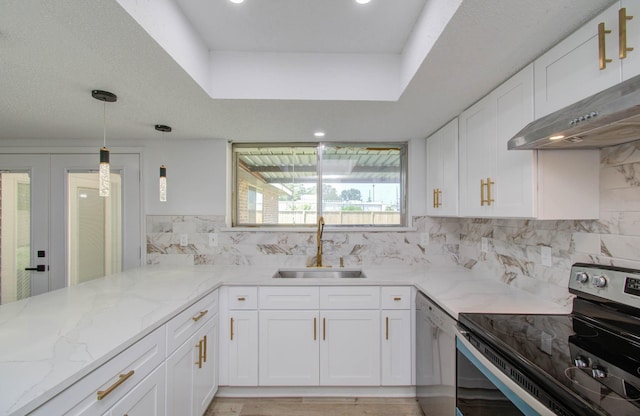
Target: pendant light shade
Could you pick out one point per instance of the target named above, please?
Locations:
(163, 183)
(163, 169)
(104, 172)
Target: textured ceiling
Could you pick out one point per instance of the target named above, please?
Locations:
(55, 52)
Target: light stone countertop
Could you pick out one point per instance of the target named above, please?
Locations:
(50, 341)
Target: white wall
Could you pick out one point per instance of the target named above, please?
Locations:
(196, 177)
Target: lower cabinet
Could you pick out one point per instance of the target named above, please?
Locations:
(145, 399)
(350, 348)
(191, 372)
(243, 348)
(396, 347)
(289, 348)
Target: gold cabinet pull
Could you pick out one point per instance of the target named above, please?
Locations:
(622, 32)
(315, 328)
(231, 326)
(241, 299)
(489, 183)
(121, 379)
(486, 184)
(397, 299)
(436, 197)
(199, 347)
(324, 329)
(199, 316)
(387, 328)
(602, 49)
(204, 357)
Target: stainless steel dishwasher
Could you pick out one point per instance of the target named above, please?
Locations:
(435, 358)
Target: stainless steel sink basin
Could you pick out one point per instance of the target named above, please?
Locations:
(311, 272)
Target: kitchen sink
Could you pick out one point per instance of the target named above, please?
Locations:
(327, 272)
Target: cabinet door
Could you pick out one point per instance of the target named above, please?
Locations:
(289, 348)
(180, 368)
(570, 71)
(477, 155)
(442, 171)
(145, 399)
(243, 348)
(396, 347)
(350, 348)
(631, 63)
(205, 373)
(514, 187)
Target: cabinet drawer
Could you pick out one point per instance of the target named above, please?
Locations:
(243, 297)
(98, 391)
(396, 297)
(181, 327)
(350, 297)
(301, 297)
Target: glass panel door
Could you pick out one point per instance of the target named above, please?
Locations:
(15, 236)
(95, 227)
(24, 199)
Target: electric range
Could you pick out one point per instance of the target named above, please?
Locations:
(583, 363)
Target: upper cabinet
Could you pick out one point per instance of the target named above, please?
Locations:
(496, 182)
(599, 55)
(442, 171)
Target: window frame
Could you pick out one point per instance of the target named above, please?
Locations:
(403, 198)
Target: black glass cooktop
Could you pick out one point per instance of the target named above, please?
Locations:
(570, 356)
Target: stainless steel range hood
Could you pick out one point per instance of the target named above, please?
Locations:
(605, 119)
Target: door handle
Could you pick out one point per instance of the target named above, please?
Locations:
(38, 268)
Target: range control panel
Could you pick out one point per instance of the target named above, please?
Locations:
(616, 284)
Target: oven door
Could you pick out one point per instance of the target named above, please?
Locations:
(482, 389)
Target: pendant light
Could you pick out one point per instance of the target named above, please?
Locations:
(163, 169)
(104, 173)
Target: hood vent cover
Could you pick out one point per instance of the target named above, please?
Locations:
(607, 118)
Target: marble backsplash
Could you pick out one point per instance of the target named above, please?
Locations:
(514, 245)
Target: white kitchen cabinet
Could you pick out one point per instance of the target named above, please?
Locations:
(631, 62)
(192, 337)
(191, 372)
(100, 390)
(570, 71)
(442, 171)
(574, 69)
(396, 347)
(289, 348)
(238, 339)
(496, 182)
(350, 348)
(147, 398)
(205, 377)
(396, 364)
(242, 343)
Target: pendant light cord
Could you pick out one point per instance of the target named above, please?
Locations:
(104, 123)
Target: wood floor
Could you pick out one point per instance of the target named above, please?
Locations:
(365, 406)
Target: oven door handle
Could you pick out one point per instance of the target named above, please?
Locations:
(516, 394)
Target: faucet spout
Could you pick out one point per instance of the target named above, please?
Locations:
(319, 241)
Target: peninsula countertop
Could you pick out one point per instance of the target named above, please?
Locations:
(50, 341)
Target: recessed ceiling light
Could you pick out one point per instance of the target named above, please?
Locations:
(237, 1)
(319, 134)
(362, 1)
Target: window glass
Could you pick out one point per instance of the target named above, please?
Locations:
(349, 184)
